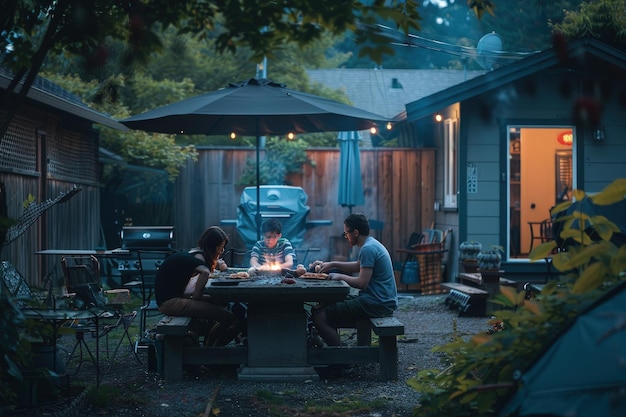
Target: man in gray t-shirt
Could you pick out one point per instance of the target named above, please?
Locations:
(378, 296)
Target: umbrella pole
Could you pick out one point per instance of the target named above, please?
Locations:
(258, 186)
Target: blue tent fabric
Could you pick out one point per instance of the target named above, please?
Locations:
(584, 372)
(350, 191)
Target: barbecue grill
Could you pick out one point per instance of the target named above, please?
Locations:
(283, 202)
(154, 243)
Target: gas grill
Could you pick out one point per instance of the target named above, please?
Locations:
(283, 202)
(146, 244)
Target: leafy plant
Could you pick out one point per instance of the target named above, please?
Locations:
(282, 157)
(480, 371)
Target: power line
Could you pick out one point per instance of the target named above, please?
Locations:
(415, 41)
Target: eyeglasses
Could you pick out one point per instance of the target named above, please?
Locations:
(270, 237)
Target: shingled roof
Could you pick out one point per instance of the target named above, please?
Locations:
(46, 92)
(386, 91)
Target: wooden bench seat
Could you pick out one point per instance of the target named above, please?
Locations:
(173, 332)
(468, 300)
(385, 354)
(172, 336)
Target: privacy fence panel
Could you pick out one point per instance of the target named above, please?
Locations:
(398, 184)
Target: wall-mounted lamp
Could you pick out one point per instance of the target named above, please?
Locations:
(438, 117)
(598, 134)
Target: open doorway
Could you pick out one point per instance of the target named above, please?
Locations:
(540, 175)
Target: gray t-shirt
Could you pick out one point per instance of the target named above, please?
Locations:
(382, 286)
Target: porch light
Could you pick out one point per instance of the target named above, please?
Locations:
(233, 136)
(438, 117)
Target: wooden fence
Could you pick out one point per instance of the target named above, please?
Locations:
(399, 188)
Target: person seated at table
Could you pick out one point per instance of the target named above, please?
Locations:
(180, 282)
(273, 251)
(378, 296)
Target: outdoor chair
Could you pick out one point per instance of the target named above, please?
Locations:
(149, 305)
(424, 264)
(81, 276)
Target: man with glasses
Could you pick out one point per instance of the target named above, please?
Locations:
(375, 281)
(273, 251)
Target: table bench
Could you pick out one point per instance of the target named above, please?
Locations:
(385, 354)
(468, 300)
(174, 352)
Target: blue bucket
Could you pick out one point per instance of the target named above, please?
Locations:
(410, 273)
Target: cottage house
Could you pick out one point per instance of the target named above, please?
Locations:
(515, 141)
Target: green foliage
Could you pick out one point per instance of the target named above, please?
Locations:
(481, 370)
(158, 151)
(603, 20)
(11, 321)
(281, 158)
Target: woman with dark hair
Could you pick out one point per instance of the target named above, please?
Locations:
(180, 282)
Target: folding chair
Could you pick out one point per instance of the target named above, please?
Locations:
(146, 284)
(82, 281)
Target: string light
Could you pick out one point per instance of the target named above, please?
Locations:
(291, 136)
(373, 130)
(389, 126)
(233, 135)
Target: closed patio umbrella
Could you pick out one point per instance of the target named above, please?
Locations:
(256, 107)
(350, 183)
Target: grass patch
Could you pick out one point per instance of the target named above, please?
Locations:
(288, 403)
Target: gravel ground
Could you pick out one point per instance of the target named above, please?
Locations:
(133, 391)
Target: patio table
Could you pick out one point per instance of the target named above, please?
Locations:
(277, 322)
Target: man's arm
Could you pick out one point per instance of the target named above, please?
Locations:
(350, 267)
(361, 281)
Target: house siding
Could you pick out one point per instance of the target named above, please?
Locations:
(71, 160)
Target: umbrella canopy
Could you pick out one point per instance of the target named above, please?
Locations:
(583, 373)
(350, 183)
(257, 107)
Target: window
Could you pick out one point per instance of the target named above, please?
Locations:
(451, 139)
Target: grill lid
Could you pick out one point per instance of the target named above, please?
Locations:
(284, 202)
(147, 237)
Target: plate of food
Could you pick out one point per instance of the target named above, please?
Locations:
(239, 275)
(314, 275)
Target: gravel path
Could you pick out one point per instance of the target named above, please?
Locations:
(136, 392)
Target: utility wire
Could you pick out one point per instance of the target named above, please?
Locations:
(415, 41)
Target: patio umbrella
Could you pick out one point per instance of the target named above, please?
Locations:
(582, 372)
(350, 183)
(256, 107)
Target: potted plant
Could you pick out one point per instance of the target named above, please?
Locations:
(489, 267)
(468, 255)
(490, 259)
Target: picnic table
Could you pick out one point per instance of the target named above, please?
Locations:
(277, 322)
